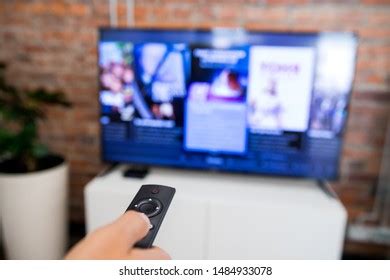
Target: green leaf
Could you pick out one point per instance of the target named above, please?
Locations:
(43, 96)
(6, 140)
(39, 150)
(23, 113)
(22, 109)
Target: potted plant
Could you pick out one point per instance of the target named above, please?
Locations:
(33, 182)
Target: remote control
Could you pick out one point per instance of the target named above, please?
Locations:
(153, 201)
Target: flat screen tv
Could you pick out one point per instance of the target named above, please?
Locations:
(230, 100)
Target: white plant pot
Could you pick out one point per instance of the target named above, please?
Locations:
(33, 209)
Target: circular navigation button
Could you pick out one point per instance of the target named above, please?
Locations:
(150, 207)
(147, 208)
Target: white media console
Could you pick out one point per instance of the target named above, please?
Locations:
(230, 216)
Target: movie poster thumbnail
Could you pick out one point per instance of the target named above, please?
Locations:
(143, 80)
(219, 75)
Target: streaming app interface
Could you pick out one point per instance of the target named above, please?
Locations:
(268, 103)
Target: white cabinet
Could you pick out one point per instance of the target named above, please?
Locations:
(230, 216)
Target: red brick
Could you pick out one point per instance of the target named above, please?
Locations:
(373, 53)
(229, 12)
(167, 25)
(266, 15)
(161, 13)
(182, 13)
(375, 97)
(142, 13)
(376, 2)
(359, 137)
(370, 156)
(264, 26)
(369, 33)
(286, 2)
(212, 24)
(79, 9)
(86, 166)
(327, 17)
(371, 78)
(164, 2)
(205, 13)
(379, 17)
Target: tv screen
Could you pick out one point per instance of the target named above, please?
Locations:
(232, 100)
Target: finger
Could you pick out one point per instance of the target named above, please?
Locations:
(134, 226)
(154, 253)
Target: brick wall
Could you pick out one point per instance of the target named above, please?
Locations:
(53, 44)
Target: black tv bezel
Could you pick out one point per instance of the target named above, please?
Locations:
(226, 170)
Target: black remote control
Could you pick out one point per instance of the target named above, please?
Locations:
(153, 201)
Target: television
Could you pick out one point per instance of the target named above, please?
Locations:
(226, 99)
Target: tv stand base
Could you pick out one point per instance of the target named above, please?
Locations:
(229, 216)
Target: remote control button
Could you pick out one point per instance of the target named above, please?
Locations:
(150, 207)
(156, 190)
(147, 208)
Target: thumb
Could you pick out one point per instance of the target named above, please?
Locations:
(134, 225)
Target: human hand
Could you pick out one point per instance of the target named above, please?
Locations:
(116, 241)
